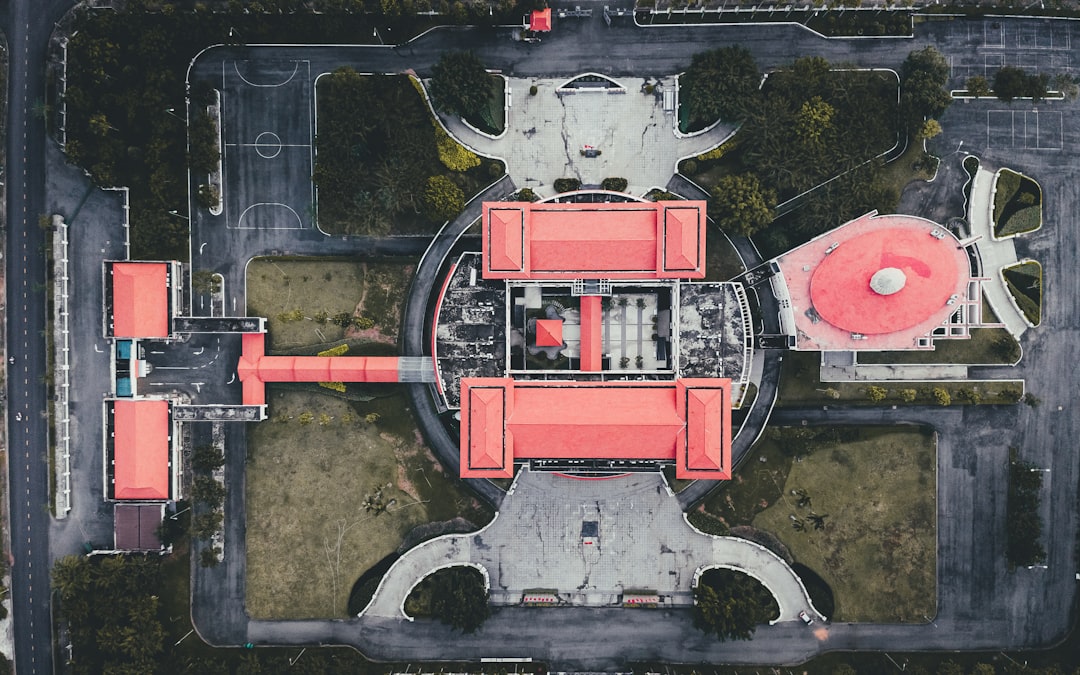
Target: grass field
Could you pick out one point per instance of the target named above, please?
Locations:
(875, 488)
(309, 533)
(987, 345)
(375, 290)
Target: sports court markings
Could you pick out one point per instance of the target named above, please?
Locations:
(1024, 129)
(271, 182)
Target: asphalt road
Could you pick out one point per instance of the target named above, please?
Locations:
(27, 26)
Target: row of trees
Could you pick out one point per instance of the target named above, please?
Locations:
(208, 495)
(1024, 525)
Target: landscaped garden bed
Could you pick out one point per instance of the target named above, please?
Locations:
(1017, 204)
(1024, 281)
(856, 505)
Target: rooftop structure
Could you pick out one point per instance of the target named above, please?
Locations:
(140, 299)
(638, 240)
(540, 20)
(138, 442)
(135, 527)
(685, 422)
(877, 282)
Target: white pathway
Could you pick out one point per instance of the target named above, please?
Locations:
(642, 542)
(546, 132)
(994, 254)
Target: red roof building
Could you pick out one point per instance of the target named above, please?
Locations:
(540, 20)
(141, 445)
(687, 422)
(140, 306)
(549, 333)
(638, 240)
(591, 342)
(135, 527)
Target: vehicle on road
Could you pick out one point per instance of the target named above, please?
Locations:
(805, 618)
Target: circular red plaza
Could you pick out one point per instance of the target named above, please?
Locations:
(889, 279)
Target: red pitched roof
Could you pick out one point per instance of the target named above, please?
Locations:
(540, 20)
(255, 368)
(591, 342)
(140, 300)
(549, 333)
(687, 422)
(639, 240)
(141, 449)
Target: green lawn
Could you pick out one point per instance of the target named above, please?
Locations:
(875, 488)
(376, 290)
(1024, 281)
(987, 346)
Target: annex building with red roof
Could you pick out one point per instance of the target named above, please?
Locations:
(583, 337)
(141, 298)
(141, 458)
(890, 282)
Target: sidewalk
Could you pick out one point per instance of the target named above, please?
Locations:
(994, 254)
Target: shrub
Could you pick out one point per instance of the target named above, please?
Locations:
(334, 386)
(533, 90)
(208, 196)
(941, 396)
(443, 199)
(876, 393)
(452, 154)
(614, 184)
(719, 151)
(339, 350)
(495, 169)
(908, 395)
(567, 184)
(526, 195)
(689, 166)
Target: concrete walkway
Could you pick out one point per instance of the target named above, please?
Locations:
(545, 134)
(995, 255)
(543, 538)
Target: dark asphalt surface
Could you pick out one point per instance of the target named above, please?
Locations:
(27, 24)
(982, 604)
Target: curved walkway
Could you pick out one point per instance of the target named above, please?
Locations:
(642, 541)
(995, 254)
(415, 327)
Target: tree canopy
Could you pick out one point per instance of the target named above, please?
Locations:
(732, 604)
(1024, 525)
(923, 76)
(741, 205)
(455, 595)
(719, 85)
(1011, 83)
(460, 85)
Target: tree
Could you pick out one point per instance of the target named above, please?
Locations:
(813, 122)
(614, 184)
(731, 604)
(208, 196)
(205, 281)
(908, 395)
(459, 598)
(566, 184)
(460, 85)
(977, 85)
(1066, 84)
(207, 490)
(922, 87)
(204, 525)
(941, 396)
(719, 84)
(208, 557)
(741, 205)
(1009, 83)
(929, 129)
(876, 393)
(443, 199)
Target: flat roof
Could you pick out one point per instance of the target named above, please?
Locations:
(637, 240)
(141, 449)
(140, 299)
(687, 422)
(135, 527)
(876, 282)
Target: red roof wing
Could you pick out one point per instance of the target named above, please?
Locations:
(141, 449)
(140, 298)
(592, 351)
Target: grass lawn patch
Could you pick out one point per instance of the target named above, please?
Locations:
(722, 262)
(329, 499)
(874, 489)
(1024, 282)
(987, 346)
(301, 298)
(1017, 204)
(914, 164)
(800, 385)
(492, 119)
(877, 546)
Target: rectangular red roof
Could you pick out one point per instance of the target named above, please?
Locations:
(141, 449)
(592, 347)
(637, 240)
(687, 422)
(140, 300)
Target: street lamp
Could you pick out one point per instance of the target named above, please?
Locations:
(173, 516)
(172, 111)
(176, 213)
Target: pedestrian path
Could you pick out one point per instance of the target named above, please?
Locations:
(995, 255)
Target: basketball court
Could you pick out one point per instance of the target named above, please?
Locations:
(268, 134)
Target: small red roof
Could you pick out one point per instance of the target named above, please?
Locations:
(638, 240)
(687, 422)
(141, 449)
(540, 20)
(592, 352)
(140, 300)
(549, 333)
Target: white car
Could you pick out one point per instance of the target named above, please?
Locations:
(805, 618)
